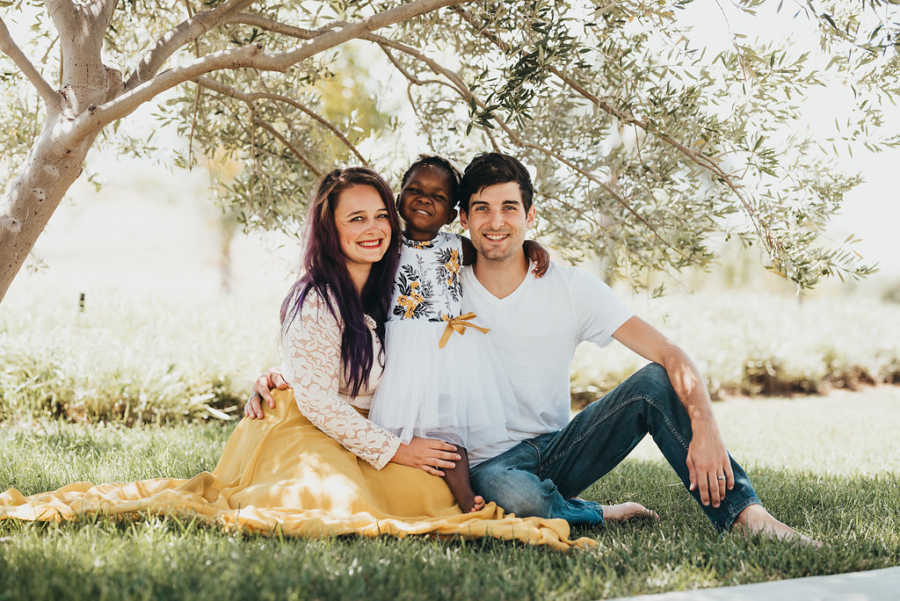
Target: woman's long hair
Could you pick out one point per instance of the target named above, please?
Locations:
(324, 270)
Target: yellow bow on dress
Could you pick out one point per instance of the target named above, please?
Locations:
(459, 324)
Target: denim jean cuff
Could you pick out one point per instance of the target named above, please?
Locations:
(582, 512)
(734, 510)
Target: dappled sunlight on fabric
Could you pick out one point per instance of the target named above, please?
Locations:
(283, 475)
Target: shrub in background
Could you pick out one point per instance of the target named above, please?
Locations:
(130, 359)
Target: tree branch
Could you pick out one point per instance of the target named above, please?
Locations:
(250, 97)
(828, 23)
(326, 37)
(412, 78)
(493, 140)
(317, 118)
(248, 56)
(733, 40)
(626, 118)
(415, 81)
(347, 31)
(454, 78)
(190, 13)
(50, 96)
(49, 50)
(62, 13)
(181, 34)
(97, 117)
(275, 26)
(104, 10)
(287, 144)
(415, 108)
(514, 136)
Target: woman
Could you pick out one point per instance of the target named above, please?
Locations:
(347, 475)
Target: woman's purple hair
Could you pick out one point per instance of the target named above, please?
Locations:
(325, 271)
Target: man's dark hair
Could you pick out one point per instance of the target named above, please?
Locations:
(494, 168)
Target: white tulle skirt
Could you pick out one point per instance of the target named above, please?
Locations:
(454, 394)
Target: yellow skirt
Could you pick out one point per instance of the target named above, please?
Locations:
(282, 474)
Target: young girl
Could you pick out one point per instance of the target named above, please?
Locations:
(437, 360)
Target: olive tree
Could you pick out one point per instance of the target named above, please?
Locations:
(645, 148)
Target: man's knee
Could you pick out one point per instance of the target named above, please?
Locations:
(652, 380)
(655, 375)
(655, 389)
(647, 388)
(516, 491)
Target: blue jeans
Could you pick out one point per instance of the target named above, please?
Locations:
(539, 476)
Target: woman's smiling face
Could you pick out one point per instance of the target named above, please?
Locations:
(363, 225)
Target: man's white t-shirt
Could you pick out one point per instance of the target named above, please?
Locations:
(535, 331)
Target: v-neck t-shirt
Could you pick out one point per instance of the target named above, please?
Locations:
(535, 330)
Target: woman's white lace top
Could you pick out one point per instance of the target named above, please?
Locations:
(311, 363)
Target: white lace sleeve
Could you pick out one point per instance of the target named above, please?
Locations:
(311, 357)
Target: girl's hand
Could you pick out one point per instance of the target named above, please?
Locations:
(538, 255)
(427, 454)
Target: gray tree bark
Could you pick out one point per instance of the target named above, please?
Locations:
(93, 95)
(56, 158)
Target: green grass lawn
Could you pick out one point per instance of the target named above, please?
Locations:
(825, 465)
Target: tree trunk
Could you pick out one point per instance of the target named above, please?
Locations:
(56, 160)
(93, 96)
(50, 169)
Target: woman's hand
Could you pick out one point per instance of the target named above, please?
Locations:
(266, 382)
(427, 454)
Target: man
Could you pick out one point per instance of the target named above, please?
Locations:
(545, 461)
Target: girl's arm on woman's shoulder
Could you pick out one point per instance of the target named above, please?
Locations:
(311, 349)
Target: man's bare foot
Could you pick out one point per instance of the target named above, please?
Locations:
(626, 511)
(754, 519)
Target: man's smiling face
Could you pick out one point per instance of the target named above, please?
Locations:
(497, 221)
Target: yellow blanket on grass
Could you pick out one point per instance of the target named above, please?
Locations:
(284, 474)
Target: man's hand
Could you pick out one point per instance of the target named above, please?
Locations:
(707, 461)
(270, 380)
(709, 465)
(427, 454)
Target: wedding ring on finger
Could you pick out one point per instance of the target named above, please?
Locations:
(720, 477)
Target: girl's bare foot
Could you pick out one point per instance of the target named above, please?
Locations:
(622, 512)
(754, 519)
(471, 504)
